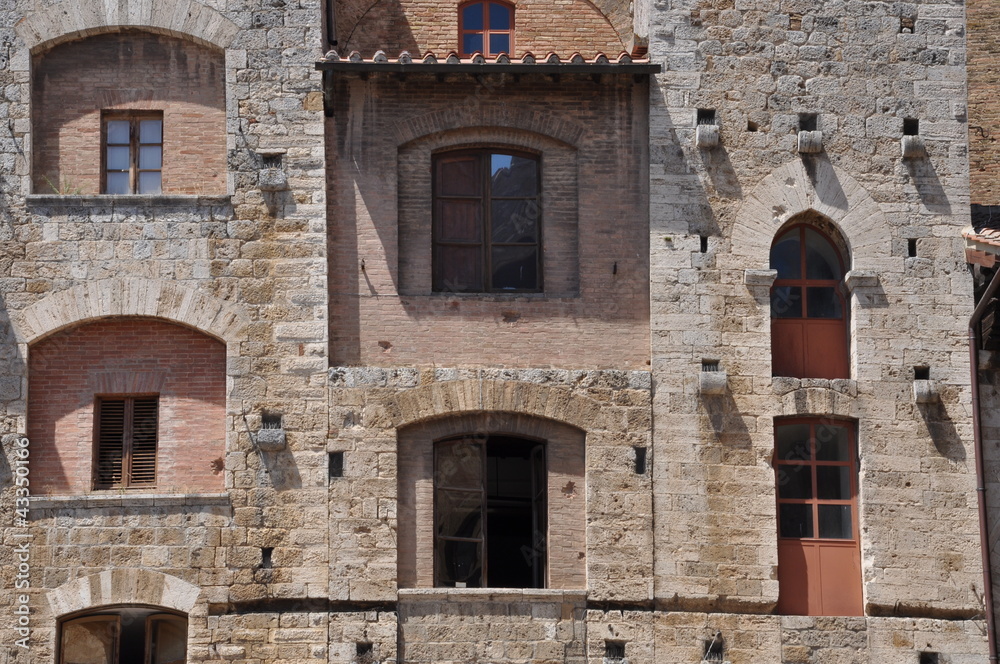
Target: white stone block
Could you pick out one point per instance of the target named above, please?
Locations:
(707, 136)
(810, 142)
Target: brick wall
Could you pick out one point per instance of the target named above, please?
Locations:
(418, 26)
(594, 311)
(131, 70)
(983, 43)
(186, 369)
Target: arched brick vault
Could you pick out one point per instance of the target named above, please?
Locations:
(130, 297)
(792, 189)
(474, 396)
(73, 19)
(123, 586)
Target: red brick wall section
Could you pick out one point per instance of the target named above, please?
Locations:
(68, 369)
(130, 70)
(419, 26)
(984, 84)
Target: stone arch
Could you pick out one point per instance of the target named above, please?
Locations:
(820, 402)
(451, 398)
(73, 19)
(131, 297)
(815, 186)
(123, 586)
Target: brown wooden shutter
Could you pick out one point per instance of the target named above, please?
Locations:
(126, 442)
(142, 469)
(110, 442)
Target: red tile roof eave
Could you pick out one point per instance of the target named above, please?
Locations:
(429, 62)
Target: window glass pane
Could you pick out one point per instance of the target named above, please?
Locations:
(792, 441)
(459, 464)
(150, 131)
(459, 564)
(149, 183)
(821, 257)
(795, 520)
(458, 269)
(89, 641)
(472, 43)
(515, 268)
(786, 257)
(117, 183)
(499, 43)
(794, 480)
(458, 176)
(786, 302)
(118, 158)
(150, 156)
(460, 221)
(515, 221)
(459, 513)
(513, 176)
(823, 303)
(499, 17)
(833, 482)
(832, 443)
(835, 522)
(169, 641)
(118, 131)
(472, 17)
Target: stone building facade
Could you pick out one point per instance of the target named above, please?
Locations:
(486, 332)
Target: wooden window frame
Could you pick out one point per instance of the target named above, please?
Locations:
(486, 32)
(811, 594)
(485, 207)
(539, 507)
(104, 479)
(836, 366)
(133, 118)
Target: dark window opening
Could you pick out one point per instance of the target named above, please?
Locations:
(704, 243)
(124, 636)
(266, 556)
(709, 365)
(715, 649)
(487, 222)
(486, 27)
(271, 161)
(911, 126)
(336, 464)
(640, 460)
(921, 373)
(270, 421)
(751, 126)
(808, 122)
(126, 432)
(489, 513)
(927, 657)
(706, 116)
(133, 153)
(911, 248)
(614, 652)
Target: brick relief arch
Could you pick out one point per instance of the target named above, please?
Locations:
(488, 115)
(73, 19)
(123, 586)
(822, 188)
(453, 398)
(131, 297)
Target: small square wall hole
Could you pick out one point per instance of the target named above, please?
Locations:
(706, 116)
(911, 126)
(704, 243)
(271, 160)
(795, 21)
(336, 465)
(921, 373)
(270, 421)
(710, 365)
(911, 247)
(808, 121)
(907, 24)
(614, 652)
(929, 658)
(266, 555)
(365, 652)
(752, 126)
(640, 460)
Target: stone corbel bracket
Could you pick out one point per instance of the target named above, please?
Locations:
(706, 136)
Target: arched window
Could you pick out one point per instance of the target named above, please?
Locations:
(808, 310)
(487, 222)
(819, 553)
(486, 27)
(489, 513)
(128, 634)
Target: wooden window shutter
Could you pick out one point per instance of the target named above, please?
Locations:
(126, 442)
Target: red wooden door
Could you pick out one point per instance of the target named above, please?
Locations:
(819, 554)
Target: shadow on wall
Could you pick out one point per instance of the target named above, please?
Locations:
(726, 420)
(371, 25)
(928, 185)
(942, 431)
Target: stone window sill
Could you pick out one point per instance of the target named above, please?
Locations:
(53, 200)
(491, 595)
(118, 499)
